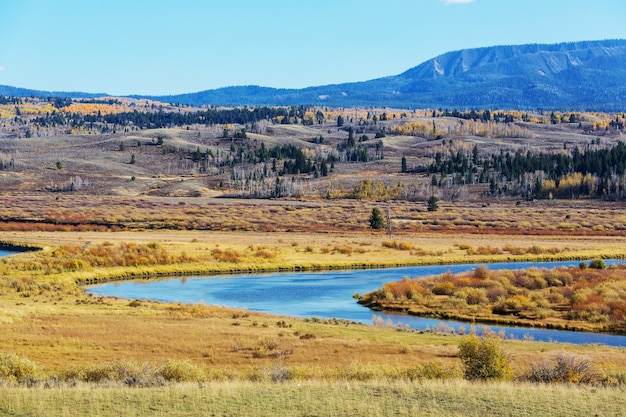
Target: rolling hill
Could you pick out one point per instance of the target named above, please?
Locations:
(588, 75)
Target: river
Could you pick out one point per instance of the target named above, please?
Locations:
(6, 253)
(330, 295)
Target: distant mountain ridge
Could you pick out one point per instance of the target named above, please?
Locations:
(589, 75)
(9, 91)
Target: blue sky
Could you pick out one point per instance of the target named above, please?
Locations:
(170, 47)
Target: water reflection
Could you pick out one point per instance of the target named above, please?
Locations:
(329, 295)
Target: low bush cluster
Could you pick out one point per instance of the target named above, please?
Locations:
(17, 368)
(228, 255)
(262, 253)
(592, 295)
(133, 373)
(345, 250)
(269, 348)
(70, 258)
(484, 358)
(433, 370)
(397, 245)
(513, 250)
(565, 369)
(481, 358)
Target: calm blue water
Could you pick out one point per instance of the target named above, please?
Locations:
(6, 253)
(328, 295)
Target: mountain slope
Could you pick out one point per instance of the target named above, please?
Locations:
(588, 75)
(8, 91)
(584, 75)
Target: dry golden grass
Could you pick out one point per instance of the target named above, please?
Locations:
(304, 398)
(213, 252)
(163, 200)
(51, 322)
(67, 332)
(83, 213)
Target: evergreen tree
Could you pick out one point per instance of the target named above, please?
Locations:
(197, 155)
(324, 169)
(433, 203)
(350, 143)
(376, 219)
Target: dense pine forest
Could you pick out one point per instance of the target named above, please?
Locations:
(591, 172)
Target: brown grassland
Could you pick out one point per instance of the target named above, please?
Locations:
(64, 352)
(47, 319)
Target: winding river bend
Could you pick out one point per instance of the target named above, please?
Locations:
(330, 295)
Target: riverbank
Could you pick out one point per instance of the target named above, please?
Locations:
(234, 360)
(48, 318)
(250, 252)
(17, 247)
(587, 298)
(331, 294)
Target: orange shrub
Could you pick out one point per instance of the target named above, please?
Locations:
(345, 250)
(496, 293)
(228, 255)
(265, 254)
(407, 288)
(397, 245)
(591, 295)
(444, 288)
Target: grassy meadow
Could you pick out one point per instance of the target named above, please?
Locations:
(379, 398)
(196, 359)
(101, 202)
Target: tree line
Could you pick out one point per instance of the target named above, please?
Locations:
(594, 173)
(10, 100)
(161, 119)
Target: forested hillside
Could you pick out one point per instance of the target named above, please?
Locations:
(80, 145)
(572, 76)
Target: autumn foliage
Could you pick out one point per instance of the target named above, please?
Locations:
(69, 258)
(553, 297)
